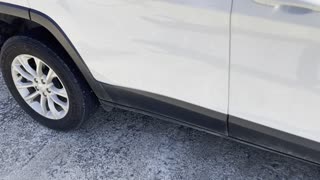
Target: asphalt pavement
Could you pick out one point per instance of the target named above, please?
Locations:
(126, 145)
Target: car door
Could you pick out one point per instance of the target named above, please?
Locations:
(178, 49)
(275, 65)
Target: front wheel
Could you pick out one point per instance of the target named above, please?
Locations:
(48, 89)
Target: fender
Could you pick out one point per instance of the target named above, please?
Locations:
(57, 32)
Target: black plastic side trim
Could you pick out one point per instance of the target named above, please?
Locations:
(274, 139)
(14, 10)
(240, 130)
(168, 107)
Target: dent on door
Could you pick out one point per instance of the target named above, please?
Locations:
(275, 68)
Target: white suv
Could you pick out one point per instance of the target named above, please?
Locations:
(248, 70)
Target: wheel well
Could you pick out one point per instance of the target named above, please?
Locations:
(12, 26)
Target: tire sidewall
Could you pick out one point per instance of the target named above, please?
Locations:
(24, 45)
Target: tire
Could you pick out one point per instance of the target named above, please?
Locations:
(79, 103)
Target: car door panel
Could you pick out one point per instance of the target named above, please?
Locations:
(275, 65)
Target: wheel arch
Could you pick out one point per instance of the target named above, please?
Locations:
(18, 20)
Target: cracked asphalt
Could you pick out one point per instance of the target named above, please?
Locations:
(127, 145)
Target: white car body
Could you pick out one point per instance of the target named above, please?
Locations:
(257, 60)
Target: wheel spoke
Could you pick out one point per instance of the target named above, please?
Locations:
(39, 67)
(60, 92)
(52, 108)
(62, 104)
(23, 73)
(50, 76)
(43, 104)
(26, 66)
(31, 96)
(21, 85)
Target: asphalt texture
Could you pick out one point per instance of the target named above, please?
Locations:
(126, 145)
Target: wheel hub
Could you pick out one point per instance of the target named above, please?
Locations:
(42, 86)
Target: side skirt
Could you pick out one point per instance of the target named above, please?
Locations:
(165, 107)
(274, 140)
(212, 122)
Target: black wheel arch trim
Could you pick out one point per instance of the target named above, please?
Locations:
(14, 10)
(174, 110)
(58, 33)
